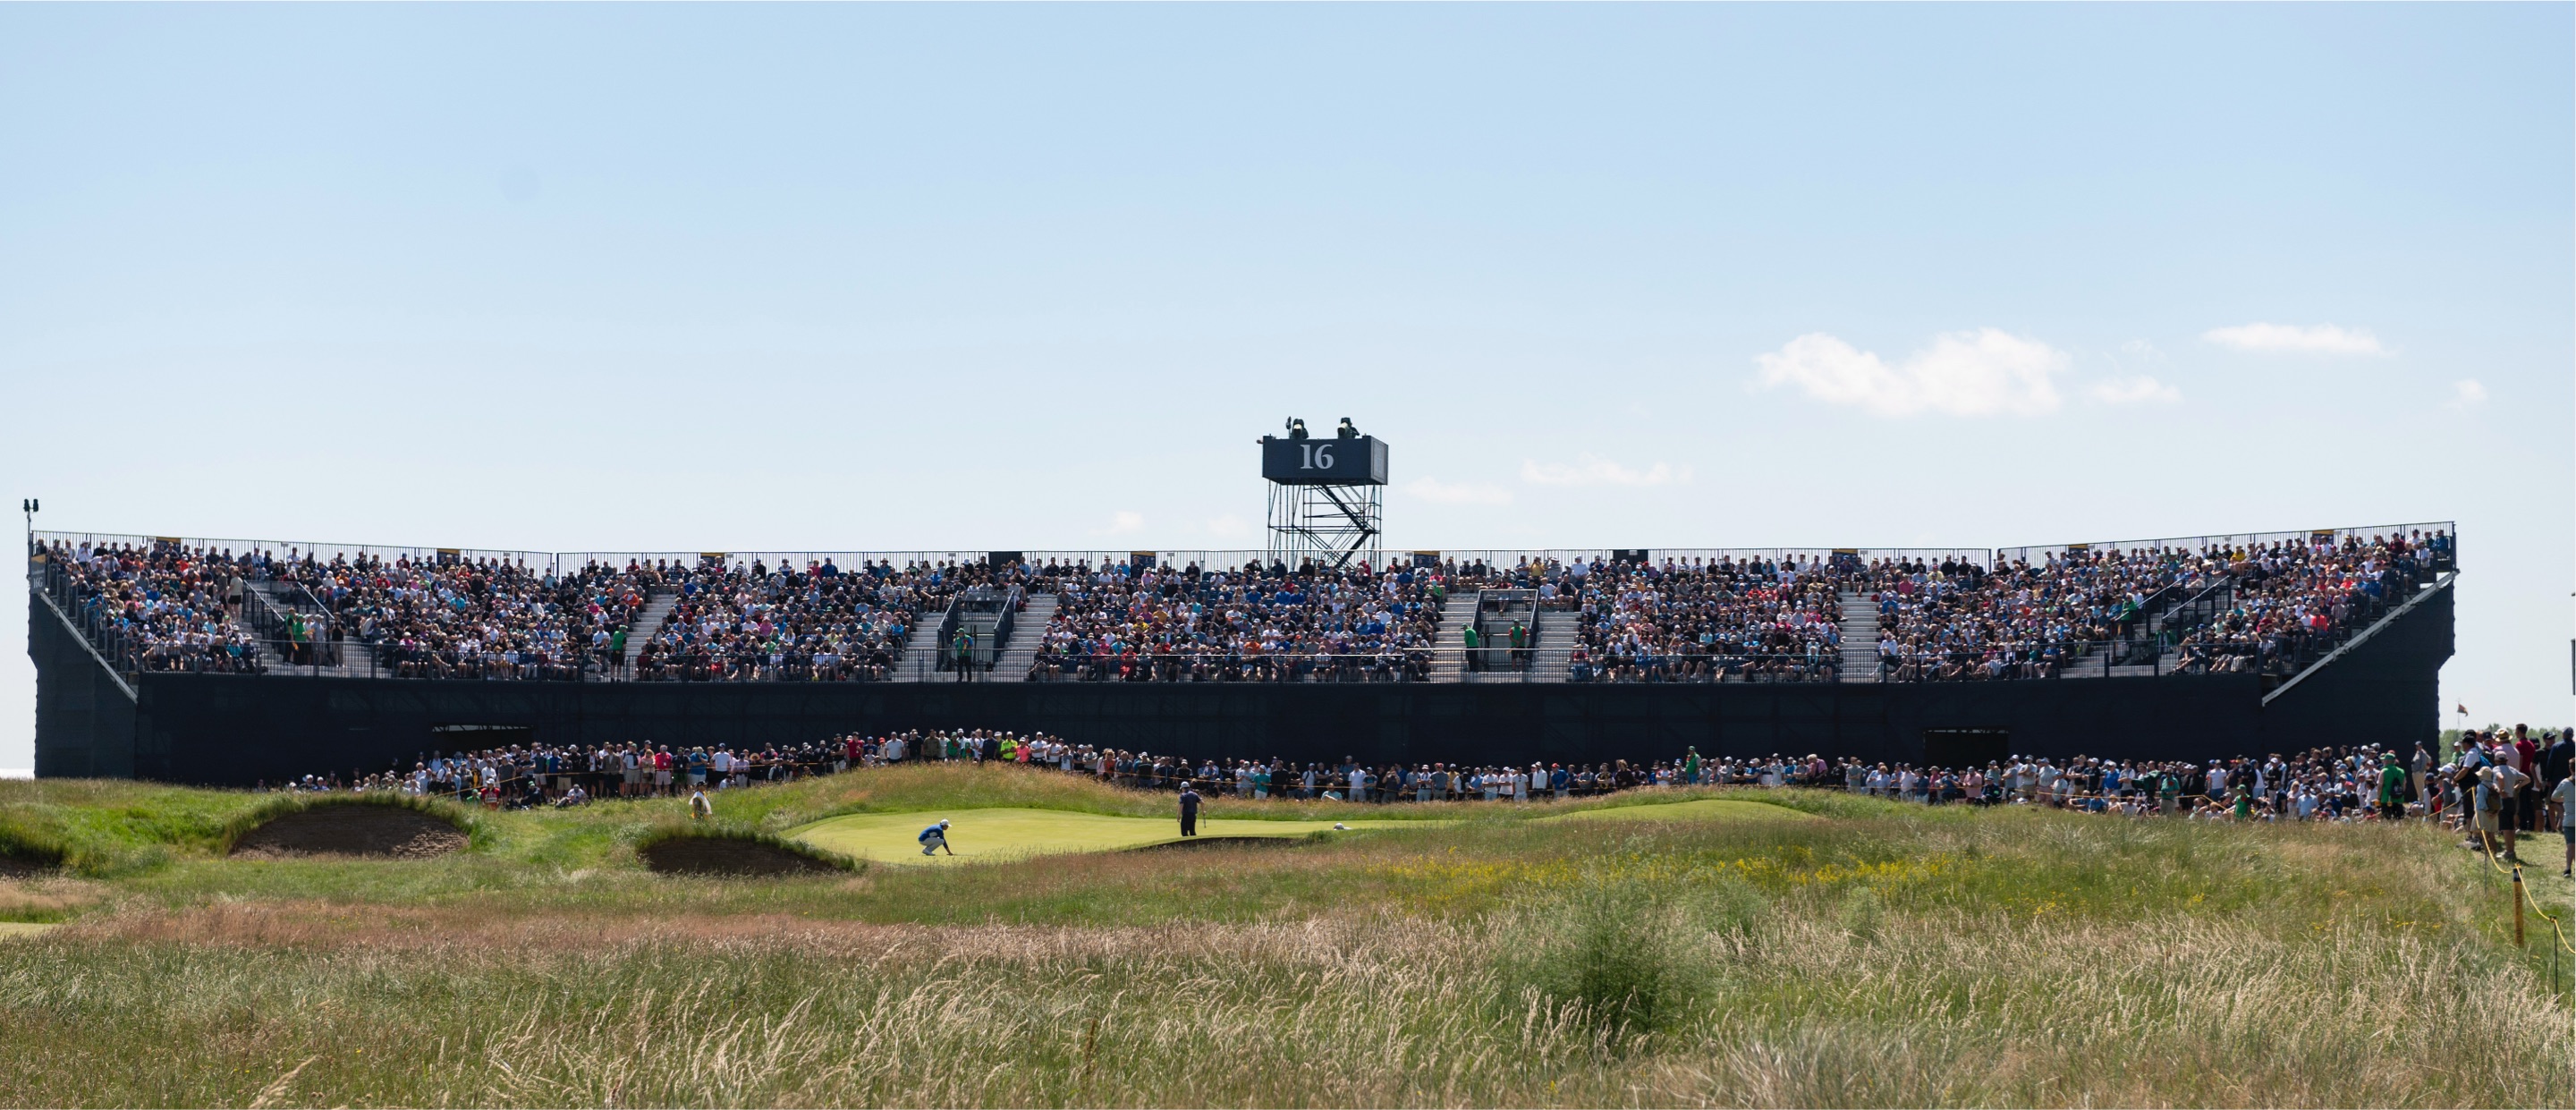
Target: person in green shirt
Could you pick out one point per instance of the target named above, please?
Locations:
(2392, 787)
(1690, 766)
(963, 650)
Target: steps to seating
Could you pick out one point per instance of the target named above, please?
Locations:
(920, 662)
(648, 622)
(1557, 636)
(1860, 638)
(1028, 634)
(1449, 643)
(1496, 612)
(281, 598)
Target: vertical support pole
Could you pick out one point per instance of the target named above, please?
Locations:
(2517, 906)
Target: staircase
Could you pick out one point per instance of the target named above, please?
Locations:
(1500, 610)
(1553, 660)
(648, 622)
(921, 647)
(1028, 634)
(2172, 616)
(282, 598)
(1449, 645)
(1860, 638)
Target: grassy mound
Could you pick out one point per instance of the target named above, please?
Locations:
(732, 852)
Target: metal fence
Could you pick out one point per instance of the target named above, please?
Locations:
(2234, 541)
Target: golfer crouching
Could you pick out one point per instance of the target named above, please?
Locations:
(935, 839)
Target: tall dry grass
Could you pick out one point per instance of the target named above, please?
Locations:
(1790, 1009)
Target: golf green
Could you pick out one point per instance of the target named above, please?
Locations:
(1016, 833)
(1702, 809)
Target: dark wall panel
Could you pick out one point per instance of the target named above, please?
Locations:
(85, 722)
(2386, 691)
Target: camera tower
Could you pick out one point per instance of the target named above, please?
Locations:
(1325, 496)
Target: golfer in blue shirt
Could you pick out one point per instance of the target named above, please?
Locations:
(935, 838)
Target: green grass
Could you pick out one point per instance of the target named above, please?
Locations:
(1742, 947)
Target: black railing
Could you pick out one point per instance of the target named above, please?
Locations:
(1823, 664)
(1405, 665)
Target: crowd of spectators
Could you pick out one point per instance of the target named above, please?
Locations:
(2266, 608)
(162, 606)
(1125, 623)
(526, 776)
(2291, 601)
(817, 623)
(2283, 602)
(1958, 621)
(1704, 620)
(449, 617)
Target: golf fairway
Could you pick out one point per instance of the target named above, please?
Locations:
(1005, 834)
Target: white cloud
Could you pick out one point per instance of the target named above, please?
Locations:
(1121, 523)
(2323, 339)
(2142, 350)
(1458, 493)
(2466, 394)
(1593, 470)
(2134, 391)
(1967, 373)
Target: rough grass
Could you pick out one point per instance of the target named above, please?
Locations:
(1881, 955)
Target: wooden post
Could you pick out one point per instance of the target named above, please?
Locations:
(2517, 907)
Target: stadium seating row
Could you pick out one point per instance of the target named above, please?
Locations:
(2267, 607)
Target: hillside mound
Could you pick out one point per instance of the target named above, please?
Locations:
(371, 831)
(724, 855)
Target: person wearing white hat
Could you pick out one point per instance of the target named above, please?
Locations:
(935, 838)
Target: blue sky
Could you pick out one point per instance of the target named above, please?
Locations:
(688, 277)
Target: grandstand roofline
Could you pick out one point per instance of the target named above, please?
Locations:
(1210, 556)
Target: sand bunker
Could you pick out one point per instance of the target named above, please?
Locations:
(716, 855)
(370, 831)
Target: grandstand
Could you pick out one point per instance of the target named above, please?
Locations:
(155, 653)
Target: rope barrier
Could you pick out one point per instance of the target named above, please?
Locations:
(2523, 889)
